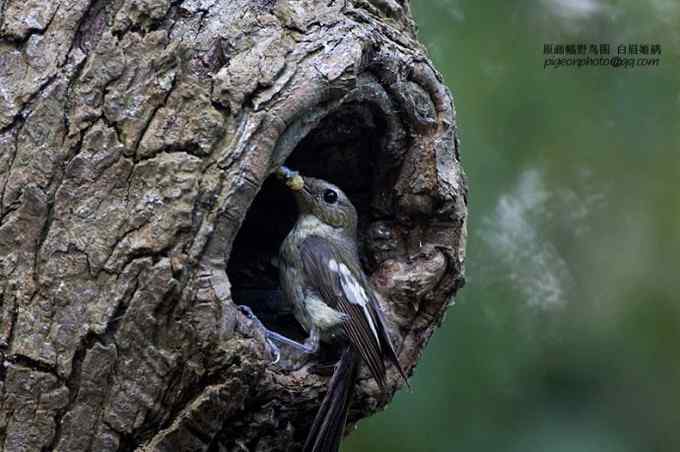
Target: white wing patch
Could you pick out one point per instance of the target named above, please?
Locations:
(356, 294)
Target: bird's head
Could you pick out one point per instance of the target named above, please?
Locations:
(322, 200)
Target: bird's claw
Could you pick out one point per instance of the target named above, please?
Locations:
(245, 310)
(273, 348)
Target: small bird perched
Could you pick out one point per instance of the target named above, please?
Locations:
(332, 299)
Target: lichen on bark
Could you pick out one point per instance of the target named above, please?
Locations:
(135, 137)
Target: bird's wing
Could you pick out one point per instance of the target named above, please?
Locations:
(388, 348)
(330, 273)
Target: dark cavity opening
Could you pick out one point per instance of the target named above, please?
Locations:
(342, 149)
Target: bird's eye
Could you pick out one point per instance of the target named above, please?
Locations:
(330, 196)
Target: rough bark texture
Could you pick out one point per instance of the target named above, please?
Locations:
(134, 137)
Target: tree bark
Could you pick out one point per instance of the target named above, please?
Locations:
(136, 137)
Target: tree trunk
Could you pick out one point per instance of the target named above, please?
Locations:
(136, 137)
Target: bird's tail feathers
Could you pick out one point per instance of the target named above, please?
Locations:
(388, 348)
(394, 359)
(329, 424)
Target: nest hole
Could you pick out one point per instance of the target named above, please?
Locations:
(343, 150)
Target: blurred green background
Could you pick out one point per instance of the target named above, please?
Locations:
(566, 336)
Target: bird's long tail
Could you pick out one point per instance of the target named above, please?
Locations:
(329, 424)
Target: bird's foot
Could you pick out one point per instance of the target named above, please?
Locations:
(296, 354)
(272, 347)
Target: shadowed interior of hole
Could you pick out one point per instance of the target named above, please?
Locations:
(342, 149)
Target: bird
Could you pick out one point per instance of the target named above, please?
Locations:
(322, 277)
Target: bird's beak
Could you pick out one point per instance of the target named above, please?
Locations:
(291, 178)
